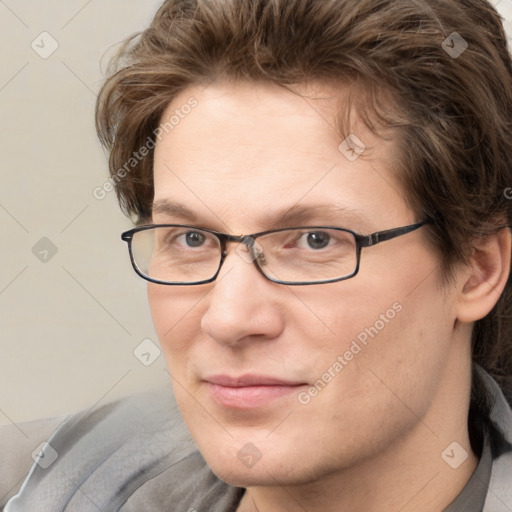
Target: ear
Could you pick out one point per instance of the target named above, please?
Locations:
(485, 276)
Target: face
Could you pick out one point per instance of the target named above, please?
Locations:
(291, 383)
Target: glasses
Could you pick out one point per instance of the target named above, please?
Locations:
(176, 254)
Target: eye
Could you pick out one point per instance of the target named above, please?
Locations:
(193, 238)
(315, 240)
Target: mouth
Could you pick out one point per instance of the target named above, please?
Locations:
(249, 391)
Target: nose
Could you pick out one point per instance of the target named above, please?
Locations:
(242, 304)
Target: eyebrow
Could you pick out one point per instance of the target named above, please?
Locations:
(171, 209)
(296, 215)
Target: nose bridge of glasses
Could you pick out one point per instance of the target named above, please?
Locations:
(253, 247)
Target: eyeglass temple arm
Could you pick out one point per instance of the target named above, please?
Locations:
(388, 234)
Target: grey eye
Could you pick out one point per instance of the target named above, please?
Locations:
(318, 239)
(194, 239)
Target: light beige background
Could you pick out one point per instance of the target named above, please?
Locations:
(69, 325)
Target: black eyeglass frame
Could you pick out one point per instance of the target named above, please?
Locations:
(361, 242)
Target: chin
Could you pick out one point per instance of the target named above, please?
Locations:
(237, 477)
(277, 466)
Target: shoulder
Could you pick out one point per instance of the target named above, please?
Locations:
(108, 458)
(18, 441)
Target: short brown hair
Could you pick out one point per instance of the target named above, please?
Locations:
(452, 113)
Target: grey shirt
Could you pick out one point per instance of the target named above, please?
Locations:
(472, 497)
(136, 455)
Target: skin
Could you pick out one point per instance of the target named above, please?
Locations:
(249, 151)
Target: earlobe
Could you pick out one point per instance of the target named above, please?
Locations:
(485, 276)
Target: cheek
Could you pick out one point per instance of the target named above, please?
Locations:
(394, 344)
(176, 315)
(385, 324)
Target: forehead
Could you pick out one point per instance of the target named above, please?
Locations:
(247, 150)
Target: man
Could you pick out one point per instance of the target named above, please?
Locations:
(320, 193)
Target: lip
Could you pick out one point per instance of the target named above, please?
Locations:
(249, 391)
